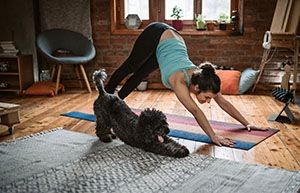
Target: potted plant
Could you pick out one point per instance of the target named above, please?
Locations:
(210, 25)
(176, 13)
(223, 20)
(200, 23)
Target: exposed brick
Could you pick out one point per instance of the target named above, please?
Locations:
(237, 51)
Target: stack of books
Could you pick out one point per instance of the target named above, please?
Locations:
(7, 48)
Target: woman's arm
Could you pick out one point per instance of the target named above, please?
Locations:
(233, 112)
(230, 109)
(185, 98)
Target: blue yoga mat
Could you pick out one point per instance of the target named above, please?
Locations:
(173, 132)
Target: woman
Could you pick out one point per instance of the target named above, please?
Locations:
(161, 46)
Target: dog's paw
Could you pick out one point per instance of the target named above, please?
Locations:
(105, 138)
(183, 152)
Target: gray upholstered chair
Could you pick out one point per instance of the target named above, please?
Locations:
(62, 47)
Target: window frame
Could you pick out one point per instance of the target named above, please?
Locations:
(118, 25)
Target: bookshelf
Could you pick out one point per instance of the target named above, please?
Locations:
(19, 73)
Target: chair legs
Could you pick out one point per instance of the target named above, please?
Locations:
(85, 78)
(76, 68)
(53, 72)
(77, 73)
(58, 78)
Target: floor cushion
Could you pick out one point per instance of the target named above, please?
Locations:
(248, 78)
(43, 88)
(229, 81)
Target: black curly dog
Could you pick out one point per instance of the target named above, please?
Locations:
(147, 131)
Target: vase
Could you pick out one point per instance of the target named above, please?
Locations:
(142, 86)
(4, 85)
(45, 75)
(3, 66)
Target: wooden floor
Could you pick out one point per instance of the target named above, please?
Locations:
(282, 150)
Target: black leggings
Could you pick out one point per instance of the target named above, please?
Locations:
(141, 61)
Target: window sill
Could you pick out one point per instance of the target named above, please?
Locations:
(192, 32)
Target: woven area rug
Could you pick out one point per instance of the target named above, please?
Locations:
(187, 128)
(83, 164)
(35, 153)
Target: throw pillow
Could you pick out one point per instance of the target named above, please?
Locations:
(229, 81)
(248, 78)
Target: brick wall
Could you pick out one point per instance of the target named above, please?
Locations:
(237, 51)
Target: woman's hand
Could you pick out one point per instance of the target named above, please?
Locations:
(219, 140)
(250, 127)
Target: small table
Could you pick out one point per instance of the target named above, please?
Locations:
(9, 115)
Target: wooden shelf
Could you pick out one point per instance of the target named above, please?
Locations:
(9, 73)
(20, 73)
(10, 89)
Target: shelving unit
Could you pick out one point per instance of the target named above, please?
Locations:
(19, 74)
(285, 34)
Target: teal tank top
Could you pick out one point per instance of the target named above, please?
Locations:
(172, 57)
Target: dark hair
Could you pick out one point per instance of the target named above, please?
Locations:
(206, 79)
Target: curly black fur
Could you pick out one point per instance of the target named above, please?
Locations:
(114, 117)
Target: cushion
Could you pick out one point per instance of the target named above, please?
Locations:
(248, 78)
(43, 88)
(229, 81)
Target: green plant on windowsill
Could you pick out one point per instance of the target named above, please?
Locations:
(224, 19)
(177, 14)
(200, 23)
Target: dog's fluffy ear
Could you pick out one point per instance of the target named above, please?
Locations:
(144, 119)
(146, 131)
(149, 136)
(147, 123)
(151, 122)
(151, 117)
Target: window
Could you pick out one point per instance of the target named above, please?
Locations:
(187, 7)
(218, 6)
(161, 10)
(140, 7)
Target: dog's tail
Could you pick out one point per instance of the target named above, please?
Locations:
(99, 77)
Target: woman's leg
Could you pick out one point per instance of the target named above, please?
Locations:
(143, 49)
(117, 77)
(149, 66)
(136, 59)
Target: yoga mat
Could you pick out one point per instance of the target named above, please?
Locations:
(187, 128)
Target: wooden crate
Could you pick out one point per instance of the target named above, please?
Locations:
(9, 114)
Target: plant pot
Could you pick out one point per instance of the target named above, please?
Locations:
(200, 25)
(210, 26)
(222, 26)
(177, 24)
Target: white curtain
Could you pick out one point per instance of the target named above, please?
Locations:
(66, 14)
